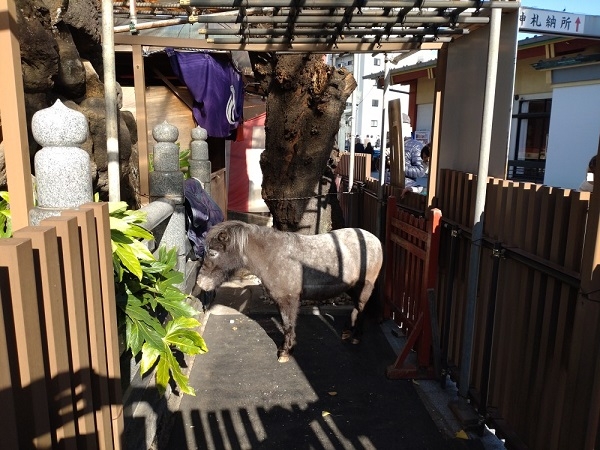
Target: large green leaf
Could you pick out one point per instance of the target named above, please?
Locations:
(181, 334)
(128, 259)
(149, 357)
(141, 251)
(134, 338)
(178, 376)
(115, 208)
(169, 258)
(171, 279)
(176, 305)
(117, 236)
(162, 373)
(152, 332)
(5, 216)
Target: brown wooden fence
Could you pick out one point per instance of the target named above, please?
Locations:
(60, 375)
(411, 250)
(529, 377)
(525, 313)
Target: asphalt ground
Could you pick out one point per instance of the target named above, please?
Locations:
(330, 395)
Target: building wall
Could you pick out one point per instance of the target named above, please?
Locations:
(574, 134)
(530, 81)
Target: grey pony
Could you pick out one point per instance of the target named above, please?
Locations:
(293, 266)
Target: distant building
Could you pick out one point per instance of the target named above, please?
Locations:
(555, 125)
(368, 98)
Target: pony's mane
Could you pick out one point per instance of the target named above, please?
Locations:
(238, 232)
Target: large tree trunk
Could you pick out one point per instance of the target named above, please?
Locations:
(305, 101)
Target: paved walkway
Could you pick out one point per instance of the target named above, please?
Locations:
(330, 395)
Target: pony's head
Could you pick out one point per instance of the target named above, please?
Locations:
(225, 247)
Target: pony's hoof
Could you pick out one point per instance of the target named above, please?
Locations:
(283, 358)
(346, 334)
(355, 341)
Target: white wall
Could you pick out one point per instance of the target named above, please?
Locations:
(574, 134)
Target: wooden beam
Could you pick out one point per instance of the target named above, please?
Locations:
(139, 82)
(14, 124)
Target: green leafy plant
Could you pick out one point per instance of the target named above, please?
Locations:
(154, 313)
(184, 162)
(5, 218)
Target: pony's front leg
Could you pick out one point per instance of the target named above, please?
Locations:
(288, 308)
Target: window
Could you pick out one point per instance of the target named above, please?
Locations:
(375, 102)
(376, 62)
(349, 62)
(373, 123)
(528, 155)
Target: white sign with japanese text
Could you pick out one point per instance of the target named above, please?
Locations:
(543, 21)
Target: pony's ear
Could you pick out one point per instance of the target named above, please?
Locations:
(223, 237)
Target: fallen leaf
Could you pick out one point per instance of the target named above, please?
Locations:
(332, 393)
(325, 413)
(461, 434)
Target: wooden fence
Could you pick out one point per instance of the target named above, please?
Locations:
(525, 313)
(60, 377)
(530, 378)
(411, 248)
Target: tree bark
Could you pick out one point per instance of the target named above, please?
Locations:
(305, 101)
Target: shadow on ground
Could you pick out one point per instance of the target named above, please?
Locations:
(331, 395)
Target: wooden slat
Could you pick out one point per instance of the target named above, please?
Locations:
(109, 306)
(8, 397)
(520, 309)
(33, 416)
(576, 230)
(72, 271)
(44, 242)
(95, 319)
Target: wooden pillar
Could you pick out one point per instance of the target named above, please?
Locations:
(14, 122)
(139, 82)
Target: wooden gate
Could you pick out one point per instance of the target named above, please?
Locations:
(411, 247)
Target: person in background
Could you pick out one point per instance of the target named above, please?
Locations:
(413, 161)
(588, 183)
(369, 150)
(358, 146)
(420, 184)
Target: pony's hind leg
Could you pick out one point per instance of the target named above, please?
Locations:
(288, 309)
(354, 326)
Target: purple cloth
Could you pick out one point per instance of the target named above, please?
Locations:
(201, 214)
(217, 88)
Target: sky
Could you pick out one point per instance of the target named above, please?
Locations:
(588, 7)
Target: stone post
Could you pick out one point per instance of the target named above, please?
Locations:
(166, 185)
(200, 166)
(62, 169)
